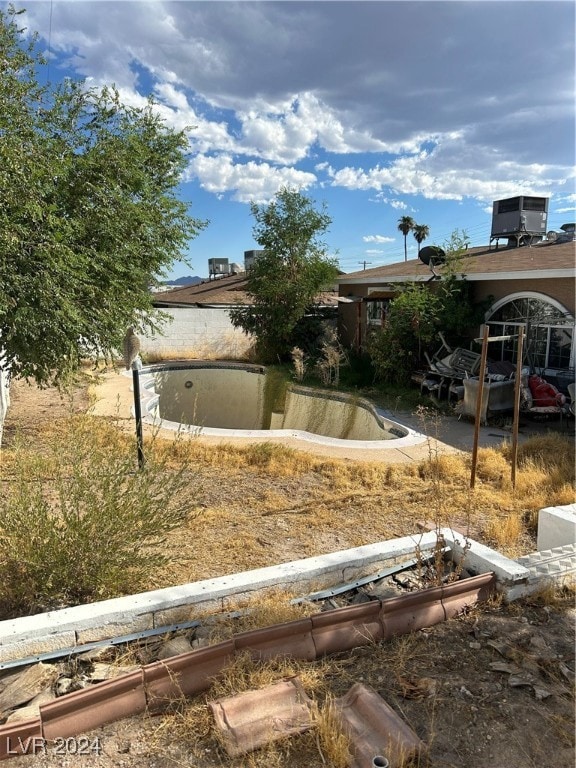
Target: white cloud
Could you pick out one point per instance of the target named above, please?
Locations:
(269, 85)
(257, 182)
(378, 239)
(425, 174)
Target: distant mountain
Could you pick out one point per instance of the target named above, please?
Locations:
(187, 280)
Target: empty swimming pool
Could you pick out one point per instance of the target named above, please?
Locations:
(231, 399)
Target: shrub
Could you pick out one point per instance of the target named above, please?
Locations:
(81, 523)
(397, 349)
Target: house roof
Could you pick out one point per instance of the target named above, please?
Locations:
(541, 260)
(227, 291)
(222, 292)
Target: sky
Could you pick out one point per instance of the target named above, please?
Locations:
(376, 109)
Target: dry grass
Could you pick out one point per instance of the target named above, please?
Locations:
(265, 503)
(192, 723)
(264, 609)
(333, 744)
(316, 505)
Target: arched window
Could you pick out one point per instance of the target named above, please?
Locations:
(548, 325)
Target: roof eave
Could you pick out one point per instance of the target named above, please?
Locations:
(471, 277)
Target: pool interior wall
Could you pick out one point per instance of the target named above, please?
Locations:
(239, 399)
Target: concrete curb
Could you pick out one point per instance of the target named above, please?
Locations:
(46, 632)
(31, 636)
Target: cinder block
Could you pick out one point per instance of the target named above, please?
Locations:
(478, 559)
(556, 526)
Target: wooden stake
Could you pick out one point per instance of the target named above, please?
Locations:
(480, 394)
(517, 385)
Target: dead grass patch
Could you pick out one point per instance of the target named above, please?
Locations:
(505, 532)
(265, 609)
(265, 503)
(333, 744)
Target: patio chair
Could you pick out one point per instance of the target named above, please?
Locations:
(538, 412)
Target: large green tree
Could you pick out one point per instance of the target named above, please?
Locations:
(89, 217)
(286, 277)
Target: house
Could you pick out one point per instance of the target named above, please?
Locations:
(532, 285)
(200, 320)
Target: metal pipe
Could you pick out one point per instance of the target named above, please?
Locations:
(138, 413)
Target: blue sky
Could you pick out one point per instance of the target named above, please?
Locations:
(379, 109)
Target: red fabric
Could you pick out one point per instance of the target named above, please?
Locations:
(544, 394)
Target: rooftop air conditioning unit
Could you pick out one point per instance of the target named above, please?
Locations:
(218, 267)
(250, 257)
(522, 220)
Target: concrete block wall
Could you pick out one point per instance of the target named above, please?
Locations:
(62, 629)
(203, 333)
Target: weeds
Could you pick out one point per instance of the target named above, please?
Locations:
(333, 744)
(299, 362)
(332, 356)
(79, 523)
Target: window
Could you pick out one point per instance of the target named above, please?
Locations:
(549, 331)
(376, 311)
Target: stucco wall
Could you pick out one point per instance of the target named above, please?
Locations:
(197, 332)
(561, 289)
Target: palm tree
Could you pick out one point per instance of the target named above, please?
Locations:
(421, 232)
(406, 224)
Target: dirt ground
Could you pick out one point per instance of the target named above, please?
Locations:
(490, 689)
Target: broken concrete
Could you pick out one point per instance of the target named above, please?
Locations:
(30, 636)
